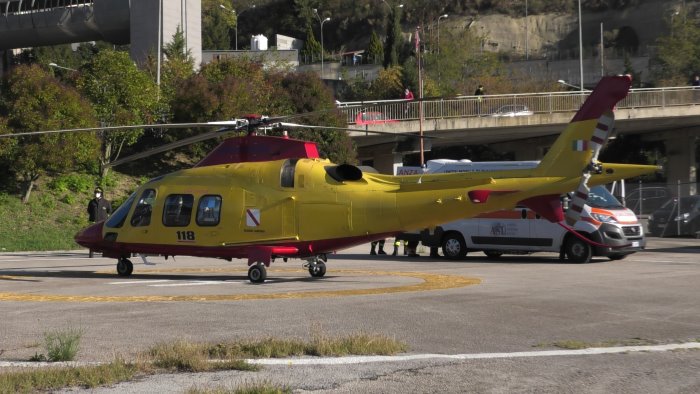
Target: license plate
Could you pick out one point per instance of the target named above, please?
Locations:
(635, 244)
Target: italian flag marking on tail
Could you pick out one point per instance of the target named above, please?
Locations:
(580, 145)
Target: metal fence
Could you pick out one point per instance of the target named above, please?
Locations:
(659, 205)
(492, 105)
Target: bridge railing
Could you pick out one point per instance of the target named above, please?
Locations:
(491, 105)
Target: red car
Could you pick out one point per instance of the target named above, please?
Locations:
(365, 118)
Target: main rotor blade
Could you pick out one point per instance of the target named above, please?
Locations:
(233, 123)
(302, 126)
(173, 145)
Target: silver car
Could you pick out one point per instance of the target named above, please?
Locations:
(511, 111)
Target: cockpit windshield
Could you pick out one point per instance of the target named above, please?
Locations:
(118, 217)
(600, 197)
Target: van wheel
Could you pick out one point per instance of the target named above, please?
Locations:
(578, 251)
(617, 256)
(493, 254)
(453, 246)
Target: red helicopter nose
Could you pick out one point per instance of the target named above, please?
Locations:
(91, 236)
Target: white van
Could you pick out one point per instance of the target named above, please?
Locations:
(521, 231)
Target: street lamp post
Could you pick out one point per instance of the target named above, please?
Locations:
(322, 21)
(527, 32)
(237, 16)
(54, 65)
(438, 32)
(580, 45)
(561, 81)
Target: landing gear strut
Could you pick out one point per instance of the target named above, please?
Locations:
(124, 267)
(316, 266)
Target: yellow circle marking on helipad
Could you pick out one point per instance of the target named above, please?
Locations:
(429, 282)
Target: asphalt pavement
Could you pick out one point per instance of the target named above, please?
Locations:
(501, 315)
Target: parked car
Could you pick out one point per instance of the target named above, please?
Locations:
(509, 111)
(652, 198)
(664, 221)
(367, 118)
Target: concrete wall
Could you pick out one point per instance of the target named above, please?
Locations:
(183, 14)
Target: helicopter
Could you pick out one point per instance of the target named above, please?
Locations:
(260, 198)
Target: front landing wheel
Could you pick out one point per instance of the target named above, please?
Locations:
(124, 267)
(257, 273)
(318, 270)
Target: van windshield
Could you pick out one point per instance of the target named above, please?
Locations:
(600, 197)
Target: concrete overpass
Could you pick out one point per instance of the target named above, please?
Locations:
(142, 23)
(668, 115)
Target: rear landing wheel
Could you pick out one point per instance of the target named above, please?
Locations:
(257, 273)
(124, 267)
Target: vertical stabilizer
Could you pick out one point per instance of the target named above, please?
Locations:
(580, 142)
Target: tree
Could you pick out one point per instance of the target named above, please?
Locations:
(120, 94)
(33, 100)
(177, 67)
(393, 41)
(312, 48)
(389, 84)
(375, 49)
(216, 24)
(296, 93)
(678, 54)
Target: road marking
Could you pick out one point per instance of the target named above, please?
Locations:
(412, 357)
(473, 356)
(134, 282)
(428, 282)
(199, 283)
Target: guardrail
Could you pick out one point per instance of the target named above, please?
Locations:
(511, 104)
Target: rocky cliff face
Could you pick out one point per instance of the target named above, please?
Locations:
(556, 36)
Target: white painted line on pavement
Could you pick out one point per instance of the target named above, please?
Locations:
(411, 357)
(133, 282)
(473, 356)
(196, 283)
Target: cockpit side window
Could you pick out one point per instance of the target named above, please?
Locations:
(209, 211)
(287, 173)
(178, 210)
(144, 208)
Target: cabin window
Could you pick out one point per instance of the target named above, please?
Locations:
(209, 211)
(119, 217)
(144, 208)
(287, 173)
(178, 210)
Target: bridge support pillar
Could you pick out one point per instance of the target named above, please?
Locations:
(682, 163)
(386, 163)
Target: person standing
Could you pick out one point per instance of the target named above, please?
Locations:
(478, 93)
(408, 96)
(99, 209)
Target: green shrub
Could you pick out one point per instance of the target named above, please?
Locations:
(77, 183)
(62, 345)
(69, 199)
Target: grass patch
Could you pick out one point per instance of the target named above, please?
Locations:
(56, 378)
(191, 357)
(248, 388)
(62, 345)
(320, 345)
(56, 211)
(182, 356)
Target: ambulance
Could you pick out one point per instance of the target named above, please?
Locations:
(614, 230)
